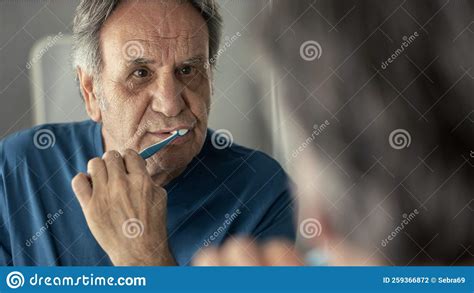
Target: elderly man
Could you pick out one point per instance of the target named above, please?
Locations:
(79, 193)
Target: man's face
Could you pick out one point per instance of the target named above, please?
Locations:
(155, 80)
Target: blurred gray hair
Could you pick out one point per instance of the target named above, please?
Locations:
(91, 15)
(427, 91)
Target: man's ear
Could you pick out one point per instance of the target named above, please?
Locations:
(86, 85)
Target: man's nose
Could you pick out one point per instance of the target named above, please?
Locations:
(168, 96)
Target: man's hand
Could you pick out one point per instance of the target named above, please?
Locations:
(125, 210)
(244, 252)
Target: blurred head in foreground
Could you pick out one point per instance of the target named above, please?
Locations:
(378, 125)
(382, 105)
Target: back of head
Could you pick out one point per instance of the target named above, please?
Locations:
(395, 82)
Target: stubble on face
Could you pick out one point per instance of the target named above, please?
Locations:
(162, 42)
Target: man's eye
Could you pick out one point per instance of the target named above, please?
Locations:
(186, 70)
(141, 73)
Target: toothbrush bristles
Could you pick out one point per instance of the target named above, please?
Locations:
(182, 132)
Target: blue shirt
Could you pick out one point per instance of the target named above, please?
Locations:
(222, 192)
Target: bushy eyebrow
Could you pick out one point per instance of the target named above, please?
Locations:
(195, 60)
(141, 61)
(144, 61)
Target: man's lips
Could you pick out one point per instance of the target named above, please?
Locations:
(168, 131)
(163, 134)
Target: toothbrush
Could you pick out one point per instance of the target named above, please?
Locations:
(153, 149)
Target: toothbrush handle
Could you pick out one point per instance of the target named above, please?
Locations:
(145, 154)
(152, 150)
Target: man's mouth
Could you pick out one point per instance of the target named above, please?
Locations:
(184, 132)
(177, 136)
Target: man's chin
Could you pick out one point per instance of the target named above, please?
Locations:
(173, 159)
(167, 162)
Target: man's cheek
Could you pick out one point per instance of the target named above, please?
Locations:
(201, 108)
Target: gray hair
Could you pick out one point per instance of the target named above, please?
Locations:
(91, 15)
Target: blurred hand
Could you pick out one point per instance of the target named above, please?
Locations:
(244, 252)
(125, 210)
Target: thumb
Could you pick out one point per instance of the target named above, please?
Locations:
(81, 185)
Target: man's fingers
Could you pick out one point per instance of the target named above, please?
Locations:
(239, 252)
(115, 165)
(207, 257)
(98, 172)
(280, 253)
(133, 162)
(244, 252)
(82, 188)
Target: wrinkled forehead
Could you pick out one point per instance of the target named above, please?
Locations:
(165, 28)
